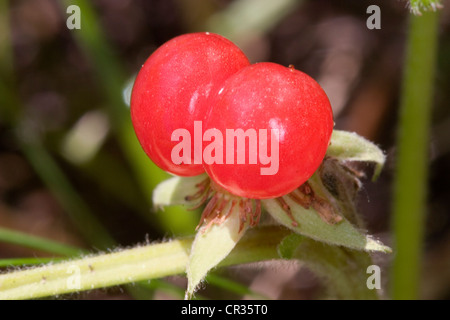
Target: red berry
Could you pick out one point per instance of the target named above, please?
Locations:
(172, 91)
(283, 101)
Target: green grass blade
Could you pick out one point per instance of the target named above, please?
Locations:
(410, 185)
(39, 243)
(20, 262)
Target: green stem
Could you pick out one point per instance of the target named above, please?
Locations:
(131, 265)
(410, 185)
(39, 243)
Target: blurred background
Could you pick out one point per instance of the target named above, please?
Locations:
(72, 171)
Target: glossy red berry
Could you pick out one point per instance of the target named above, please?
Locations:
(296, 116)
(172, 90)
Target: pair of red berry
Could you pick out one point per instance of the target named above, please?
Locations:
(203, 78)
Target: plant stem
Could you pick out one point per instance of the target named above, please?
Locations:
(410, 185)
(130, 265)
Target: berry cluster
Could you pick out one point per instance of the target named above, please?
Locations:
(258, 130)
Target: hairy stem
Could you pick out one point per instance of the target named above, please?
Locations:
(130, 265)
